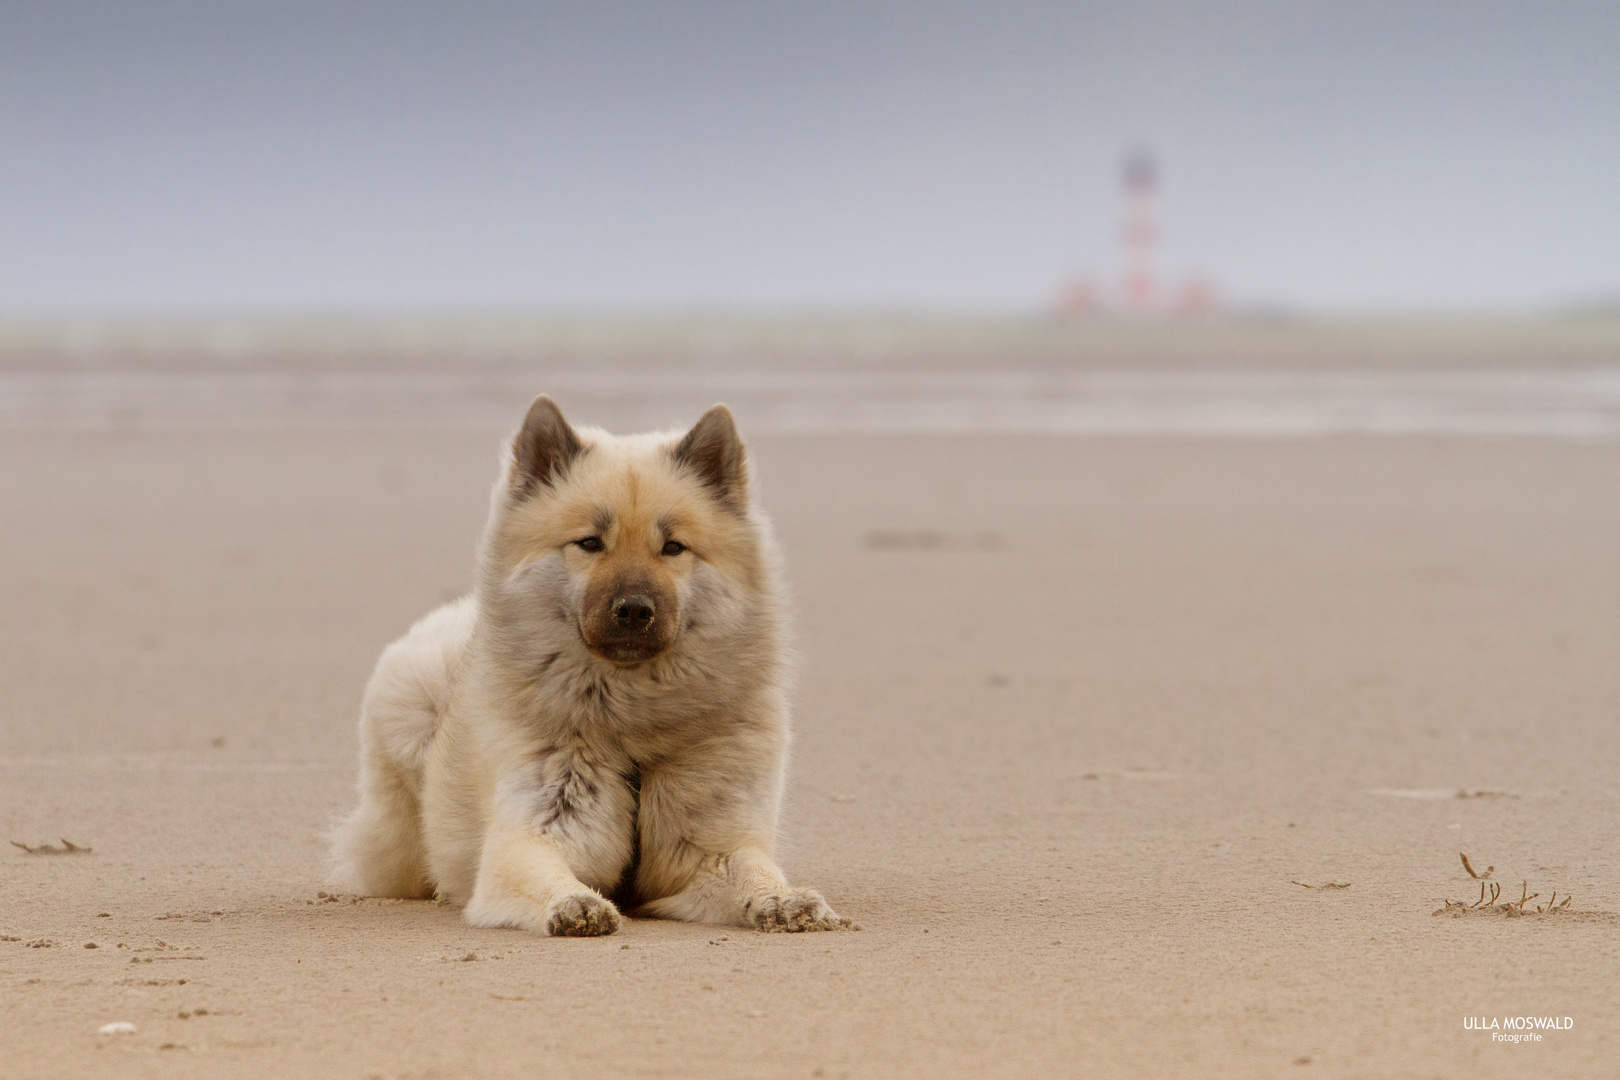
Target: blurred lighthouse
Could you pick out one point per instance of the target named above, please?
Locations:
(1140, 290)
(1138, 286)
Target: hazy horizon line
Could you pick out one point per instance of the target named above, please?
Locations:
(1602, 306)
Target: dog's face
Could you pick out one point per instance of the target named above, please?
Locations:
(628, 544)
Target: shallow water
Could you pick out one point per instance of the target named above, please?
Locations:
(1558, 403)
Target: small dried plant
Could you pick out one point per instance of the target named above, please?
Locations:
(1490, 900)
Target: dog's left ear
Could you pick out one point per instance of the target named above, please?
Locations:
(715, 452)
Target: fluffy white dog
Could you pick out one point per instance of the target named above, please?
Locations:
(606, 715)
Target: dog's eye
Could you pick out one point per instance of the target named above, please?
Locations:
(674, 547)
(593, 544)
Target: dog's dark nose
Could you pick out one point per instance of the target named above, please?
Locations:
(633, 613)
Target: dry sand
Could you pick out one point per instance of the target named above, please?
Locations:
(1074, 714)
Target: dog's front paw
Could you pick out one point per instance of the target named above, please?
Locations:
(793, 912)
(582, 914)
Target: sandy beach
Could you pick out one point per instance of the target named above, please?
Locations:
(1089, 729)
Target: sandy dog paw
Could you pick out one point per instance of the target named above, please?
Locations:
(582, 915)
(793, 912)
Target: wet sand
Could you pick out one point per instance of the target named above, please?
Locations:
(1075, 716)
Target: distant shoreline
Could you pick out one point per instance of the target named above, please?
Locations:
(1576, 402)
(1243, 341)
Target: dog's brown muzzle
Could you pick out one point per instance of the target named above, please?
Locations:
(629, 624)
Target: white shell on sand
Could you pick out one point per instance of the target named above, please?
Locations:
(121, 1027)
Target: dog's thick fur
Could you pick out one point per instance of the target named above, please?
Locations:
(606, 715)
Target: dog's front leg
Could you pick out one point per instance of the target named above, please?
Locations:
(745, 888)
(524, 880)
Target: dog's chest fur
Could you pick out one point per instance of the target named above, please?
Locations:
(587, 794)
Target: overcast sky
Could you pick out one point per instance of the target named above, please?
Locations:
(293, 155)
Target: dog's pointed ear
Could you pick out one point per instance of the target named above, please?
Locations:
(714, 451)
(543, 447)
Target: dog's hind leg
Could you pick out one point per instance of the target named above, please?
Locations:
(378, 850)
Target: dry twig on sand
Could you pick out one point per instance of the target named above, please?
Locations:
(68, 848)
(1324, 885)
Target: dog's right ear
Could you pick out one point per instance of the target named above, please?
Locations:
(543, 448)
